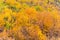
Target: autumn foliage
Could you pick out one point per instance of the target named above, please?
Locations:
(29, 20)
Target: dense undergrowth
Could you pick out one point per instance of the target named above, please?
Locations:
(29, 19)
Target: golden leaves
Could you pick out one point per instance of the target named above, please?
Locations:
(26, 17)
